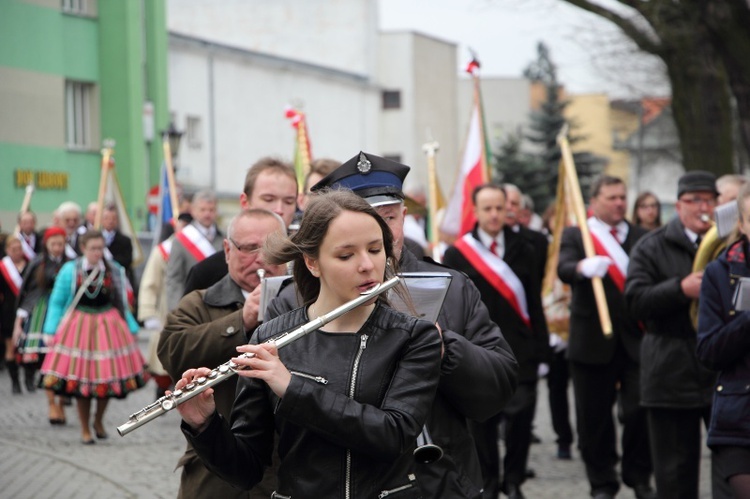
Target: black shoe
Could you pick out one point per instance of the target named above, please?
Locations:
(535, 439)
(644, 491)
(530, 473)
(16, 387)
(603, 495)
(514, 492)
(563, 452)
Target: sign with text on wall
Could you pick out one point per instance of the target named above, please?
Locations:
(42, 180)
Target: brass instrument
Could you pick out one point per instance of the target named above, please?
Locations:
(427, 452)
(229, 369)
(709, 249)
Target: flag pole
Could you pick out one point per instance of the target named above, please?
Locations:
(574, 187)
(431, 148)
(170, 175)
(107, 152)
(25, 204)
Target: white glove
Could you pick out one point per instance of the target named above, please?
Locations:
(594, 266)
(557, 343)
(152, 323)
(542, 370)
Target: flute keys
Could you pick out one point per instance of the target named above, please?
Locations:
(167, 405)
(212, 374)
(223, 369)
(202, 380)
(189, 387)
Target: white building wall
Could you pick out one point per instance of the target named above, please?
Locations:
(422, 68)
(340, 34)
(241, 97)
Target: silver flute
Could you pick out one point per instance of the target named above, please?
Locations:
(229, 369)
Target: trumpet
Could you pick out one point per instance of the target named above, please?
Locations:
(229, 369)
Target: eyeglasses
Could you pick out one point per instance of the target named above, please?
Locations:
(648, 205)
(247, 249)
(699, 200)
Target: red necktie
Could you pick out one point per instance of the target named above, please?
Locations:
(613, 231)
(493, 248)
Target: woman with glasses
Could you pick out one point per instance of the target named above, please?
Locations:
(347, 401)
(647, 211)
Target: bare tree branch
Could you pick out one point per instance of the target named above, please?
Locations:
(640, 37)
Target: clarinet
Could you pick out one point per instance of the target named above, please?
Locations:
(229, 369)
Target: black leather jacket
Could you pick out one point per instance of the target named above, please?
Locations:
(350, 417)
(478, 375)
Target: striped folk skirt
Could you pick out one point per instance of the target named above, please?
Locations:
(93, 354)
(31, 345)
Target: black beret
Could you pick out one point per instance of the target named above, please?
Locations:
(696, 181)
(380, 181)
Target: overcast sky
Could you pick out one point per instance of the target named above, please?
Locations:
(505, 33)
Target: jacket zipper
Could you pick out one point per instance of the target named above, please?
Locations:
(409, 485)
(352, 385)
(317, 379)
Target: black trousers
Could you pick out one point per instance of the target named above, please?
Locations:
(596, 392)
(517, 417)
(676, 447)
(557, 388)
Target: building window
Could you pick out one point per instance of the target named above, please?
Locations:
(391, 99)
(79, 7)
(78, 117)
(194, 132)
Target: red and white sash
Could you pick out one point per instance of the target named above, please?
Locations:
(497, 273)
(165, 248)
(605, 244)
(70, 252)
(28, 251)
(196, 243)
(11, 274)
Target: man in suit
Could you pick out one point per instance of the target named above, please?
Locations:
(193, 244)
(208, 325)
(599, 364)
(500, 262)
(31, 240)
(270, 184)
(119, 246)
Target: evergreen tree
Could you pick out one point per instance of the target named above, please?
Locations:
(545, 125)
(527, 171)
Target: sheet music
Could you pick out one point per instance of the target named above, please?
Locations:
(270, 287)
(427, 291)
(726, 216)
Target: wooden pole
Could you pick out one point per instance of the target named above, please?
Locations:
(170, 177)
(431, 148)
(574, 189)
(107, 152)
(25, 204)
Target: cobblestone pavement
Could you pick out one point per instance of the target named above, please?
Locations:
(38, 460)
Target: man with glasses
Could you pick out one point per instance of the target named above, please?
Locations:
(208, 325)
(675, 390)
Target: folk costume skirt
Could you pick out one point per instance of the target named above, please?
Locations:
(93, 354)
(32, 345)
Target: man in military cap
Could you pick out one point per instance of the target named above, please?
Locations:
(479, 371)
(675, 390)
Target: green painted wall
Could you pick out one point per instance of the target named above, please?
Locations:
(107, 50)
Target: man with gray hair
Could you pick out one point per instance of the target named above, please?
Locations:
(208, 325)
(193, 244)
(68, 216)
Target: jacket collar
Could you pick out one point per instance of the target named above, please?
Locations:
(224, 293)
(675, 233)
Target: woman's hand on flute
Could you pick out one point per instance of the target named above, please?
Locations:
(265, 365)
(197, 411)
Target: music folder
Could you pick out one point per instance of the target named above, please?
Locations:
(269, 288)
(427, 291)
(741, 297)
